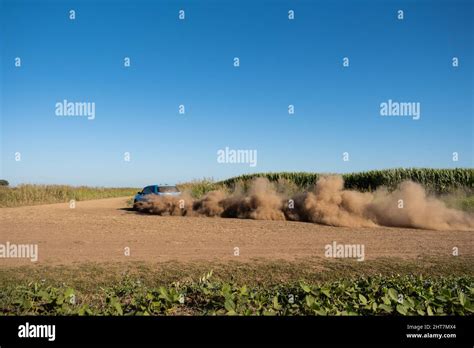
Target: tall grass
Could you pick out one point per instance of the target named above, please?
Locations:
(41, 194)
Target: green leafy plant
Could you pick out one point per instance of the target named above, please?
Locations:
(379, 295)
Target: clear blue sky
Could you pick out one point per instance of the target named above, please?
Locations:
(190, 62)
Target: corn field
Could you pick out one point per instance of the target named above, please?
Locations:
(434, 180)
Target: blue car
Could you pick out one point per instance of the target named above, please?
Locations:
(160, 190)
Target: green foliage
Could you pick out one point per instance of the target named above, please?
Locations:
(434, 180)
(467, 204)
(4, 183)
(379, 295)
(40, 194)
(198, 188)
(460, 200)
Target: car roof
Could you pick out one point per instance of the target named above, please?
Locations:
(161, 185)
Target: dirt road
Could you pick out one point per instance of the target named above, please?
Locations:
(101, 230)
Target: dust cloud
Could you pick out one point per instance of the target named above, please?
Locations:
(327, 203)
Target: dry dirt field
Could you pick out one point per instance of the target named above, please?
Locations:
(100, 230)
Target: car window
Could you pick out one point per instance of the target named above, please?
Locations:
(167, 189)
(147, 190)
